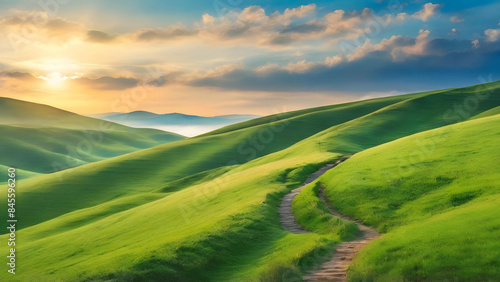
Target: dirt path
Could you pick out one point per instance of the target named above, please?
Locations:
(336, 268)
(285, 210)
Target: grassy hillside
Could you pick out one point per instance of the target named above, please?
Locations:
(491, 112)
(154, 168)
(22, 113)
(208, 205)
(325, 113)
(42, 139)
(435, 194)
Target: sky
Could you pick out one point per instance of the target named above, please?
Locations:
(238, 56)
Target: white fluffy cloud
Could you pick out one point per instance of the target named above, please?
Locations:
(428, 11)
(398, 46)
(251, 26)
(492, 35)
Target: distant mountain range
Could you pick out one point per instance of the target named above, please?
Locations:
(187, 125)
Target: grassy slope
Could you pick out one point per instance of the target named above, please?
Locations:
(37, 149)
(436, 194)
(492, 112)
(327, 111)
(153, 168)
(241, 237)
(42, 139)
(242, 224)
(21, 174)
(17, 112)
(312, 213)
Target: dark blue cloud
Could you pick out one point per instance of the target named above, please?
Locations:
(304, 28)
(458, 66)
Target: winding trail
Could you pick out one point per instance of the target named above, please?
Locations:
(336, 268)
(287, 217)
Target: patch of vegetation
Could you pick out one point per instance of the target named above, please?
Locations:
(312, 213)
(441, 221)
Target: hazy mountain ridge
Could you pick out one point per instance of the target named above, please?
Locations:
(184, 124)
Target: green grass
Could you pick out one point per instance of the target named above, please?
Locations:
(429, 192)
(492, 112)
(312, 213)
(41, 139)
(242, 214)
(205, 208)
(461, 244)
(151, 169)
(20, 174)
(45, 150)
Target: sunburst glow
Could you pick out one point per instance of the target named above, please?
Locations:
(56, 78)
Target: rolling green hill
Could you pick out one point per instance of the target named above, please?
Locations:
(491, 112)
(205, 208)
(154, 168)
(42, 139)
(436, 194)
(22, 113)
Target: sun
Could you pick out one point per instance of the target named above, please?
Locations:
(55, 78)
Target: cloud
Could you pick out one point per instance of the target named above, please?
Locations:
(475, 44)
(55, 76)
(40, 27)
(267, 68)
(252, 26)
(253, 14)
(492, 35)
(102, 82)
(17, 75)
(97, 36)
(300, 66)
(169, 33)
(453, 31)
(222, 70)
(456, 19)
(398, 46)
(440, 46)
(208, 19)
(309, 27)
(420, 64)
(256, 27)
(299, 12)
(333, 61)
(303, 66)
(108, 82)
(427, 11)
